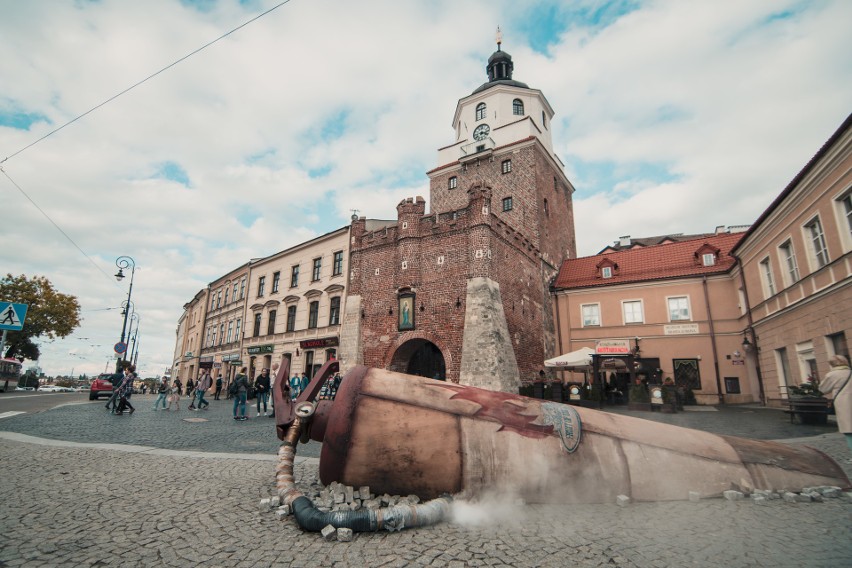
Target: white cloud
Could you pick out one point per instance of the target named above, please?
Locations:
(675, 118)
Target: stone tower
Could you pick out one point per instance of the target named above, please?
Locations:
(462, 293)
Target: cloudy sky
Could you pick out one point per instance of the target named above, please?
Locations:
(672, 116)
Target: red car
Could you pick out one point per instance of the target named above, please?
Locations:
(102, 386)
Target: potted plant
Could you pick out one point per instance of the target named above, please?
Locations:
(638, 397)
(807, 404)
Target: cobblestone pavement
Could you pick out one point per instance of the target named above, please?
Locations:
(73, 505)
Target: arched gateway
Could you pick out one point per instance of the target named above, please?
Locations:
(419, 357)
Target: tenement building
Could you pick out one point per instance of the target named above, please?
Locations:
(461, 292)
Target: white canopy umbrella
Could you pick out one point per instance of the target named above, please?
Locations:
(580, 359)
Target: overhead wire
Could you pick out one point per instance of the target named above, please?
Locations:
(138, 83)
(151, 76)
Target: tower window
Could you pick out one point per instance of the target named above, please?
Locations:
(453, 183)
(543, 119)
(518, 107)
(480, 111)
(507, 204)
(506, 166)
(546, 210)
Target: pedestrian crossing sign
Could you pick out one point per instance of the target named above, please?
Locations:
(12, 316)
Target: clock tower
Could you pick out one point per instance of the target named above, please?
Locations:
(462, 293)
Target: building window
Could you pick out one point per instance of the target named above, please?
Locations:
(546, 209)
(209, 332)
(633, 311)
(606, 272)
(221, 333)
(315, 275)
(337, 264)
(507, 204)
(591, 315)
(817, 239)
(679, 309)
(766, 276)
(256, 325)
(294, 276)
(480, 111)
(226, 294)
(708, 259)
(291, 318)
(242, 288)
(313, 315)
(518, 107)
(838, 344)
(212, 302)
(453, 182)
(788, 258)
(845, 205)
(334, 311)
(783, 364)
(261, 286)
(543, 119)
(213, 340)
(276, 280)
(230, 331)
(219, 299)
(270, 328)
(237, 329)
(506, 166)
(234, 296)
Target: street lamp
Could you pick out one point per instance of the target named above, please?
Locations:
(123, 262)
(134, 336)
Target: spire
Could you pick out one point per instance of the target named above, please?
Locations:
(499, 38)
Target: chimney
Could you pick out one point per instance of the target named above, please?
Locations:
(624, 241)
(721, 229)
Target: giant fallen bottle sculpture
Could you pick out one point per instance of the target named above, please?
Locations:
(404, 434)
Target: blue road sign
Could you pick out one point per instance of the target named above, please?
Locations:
(120, 347)
(12, 316)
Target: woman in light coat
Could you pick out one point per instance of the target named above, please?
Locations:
(835, 386)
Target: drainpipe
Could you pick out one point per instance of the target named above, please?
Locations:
(762, 394)
(713, 342)
(559, 335)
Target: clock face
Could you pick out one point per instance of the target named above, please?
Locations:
(481, 132)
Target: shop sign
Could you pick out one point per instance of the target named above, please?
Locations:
(612, 347)
(680, 329)
(217, 365)
(260, 349)
(319, 343)
(206, 359)
(738, 362)
(230, 357)
(235, 362)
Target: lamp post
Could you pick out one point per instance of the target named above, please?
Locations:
(135, 332)
(123, 262)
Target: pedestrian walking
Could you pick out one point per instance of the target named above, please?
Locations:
(240, 388)
(218, 387)
(174, 395)
(179, 386)
(124, 392)
(189, 387)
(116, 380)
(162, 393)
(261, 389)
(295, 386)
(200, 388)
(835, 387)
(304, 382)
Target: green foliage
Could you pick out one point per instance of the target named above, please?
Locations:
(639, 393)
(51, 314)
(810, 388)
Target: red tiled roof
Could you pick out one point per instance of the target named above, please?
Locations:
(672, 260)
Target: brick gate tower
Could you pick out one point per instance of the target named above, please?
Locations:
(461, 293)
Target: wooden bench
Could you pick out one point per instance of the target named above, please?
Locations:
(808, 410)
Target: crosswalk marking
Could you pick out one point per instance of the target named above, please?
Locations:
(11, 413)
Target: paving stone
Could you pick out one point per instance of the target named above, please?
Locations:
(694, 496)
(732, 495)
(344, 535)
(622, 500)
(328, 532)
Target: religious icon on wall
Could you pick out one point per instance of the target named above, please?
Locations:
(406, 312)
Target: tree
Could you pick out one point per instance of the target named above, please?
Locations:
(51, 314)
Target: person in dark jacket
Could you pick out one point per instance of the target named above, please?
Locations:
(241, 385)
(162, 392)
(218, 388)
(261, 389)
(124, 392)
